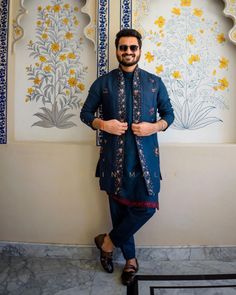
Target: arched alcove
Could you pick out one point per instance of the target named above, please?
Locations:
(186, 43)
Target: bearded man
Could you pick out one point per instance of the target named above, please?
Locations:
(128, 166)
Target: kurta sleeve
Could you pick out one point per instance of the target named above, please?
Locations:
(91, 105)
(164, 106)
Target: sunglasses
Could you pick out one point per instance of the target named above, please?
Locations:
(124, 48)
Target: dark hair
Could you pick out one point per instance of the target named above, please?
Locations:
(128, 33)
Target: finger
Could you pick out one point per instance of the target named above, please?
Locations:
(124, 125)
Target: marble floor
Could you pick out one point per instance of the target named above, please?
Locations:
(68, 271)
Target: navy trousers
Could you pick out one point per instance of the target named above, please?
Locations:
(126, 222)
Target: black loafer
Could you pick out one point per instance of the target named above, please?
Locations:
(105, 257)
(128, 274)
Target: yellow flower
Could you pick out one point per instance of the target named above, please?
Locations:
(158, 44)
(176, 11)
(66, 6)
(81, 86)
(37, 64)
(71, 55)
(62, 57)
(185, 3)
(67, 92)
(47, 69)
(55, 47)
(42, 58)
(39, 23)
(224, 62)
(223, 84)
(197, 12)
(76, 22)
(48, 22)
(201, 31)
(149, 57)
(72, 82)
(37, 81)
(215, 88)
(30, 90)
(18, 31)
(220, 38)
(39, 8)
(159, 69)
(56, 8)
(65, 21)
(30, 42)
(69, 35)
(193, 58)
(72, 72)
(214, 72)
(176, 75)
(191, 39)
(48, 7)
(44, 36)
(76, 9)
(160, 22)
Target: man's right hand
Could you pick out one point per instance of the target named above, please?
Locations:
(114, 127)
(110, 126)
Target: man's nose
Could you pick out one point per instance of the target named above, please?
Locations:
(129, 51)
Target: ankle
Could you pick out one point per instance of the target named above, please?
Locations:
(107, 244)
(131, 261)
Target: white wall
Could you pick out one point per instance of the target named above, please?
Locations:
(48, 192)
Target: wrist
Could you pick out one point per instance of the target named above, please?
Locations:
(102, 125)
(98, 124)
(161, 125)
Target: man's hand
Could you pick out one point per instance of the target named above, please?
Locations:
(114, 127)
(146, 128)
(143, 129)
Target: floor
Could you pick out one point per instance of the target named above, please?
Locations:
(51, 274)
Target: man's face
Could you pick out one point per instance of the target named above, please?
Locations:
(128, 52)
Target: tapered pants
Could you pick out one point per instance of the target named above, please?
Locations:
(126, 221)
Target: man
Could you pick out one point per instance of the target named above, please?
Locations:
(128, 166)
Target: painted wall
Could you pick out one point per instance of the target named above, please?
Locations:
(48, 192)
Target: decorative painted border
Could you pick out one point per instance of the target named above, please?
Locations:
(18, 31)
(230, 11)
(125, 14)
(3, 69)
(103, 13)
(90, 30)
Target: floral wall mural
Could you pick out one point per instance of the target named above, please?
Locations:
(58, 70)
(58, 74)
(186, 46)
(185, 42)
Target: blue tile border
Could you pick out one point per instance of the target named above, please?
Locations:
(103, 37)
(3, 69)
(125, 14)
(103, 13)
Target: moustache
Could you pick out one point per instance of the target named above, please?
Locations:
(124, 55)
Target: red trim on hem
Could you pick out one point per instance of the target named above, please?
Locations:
(136, 204)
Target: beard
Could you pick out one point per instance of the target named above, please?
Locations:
(123, 62)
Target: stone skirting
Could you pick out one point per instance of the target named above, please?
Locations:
(157, 253)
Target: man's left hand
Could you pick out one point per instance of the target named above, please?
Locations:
(144, 128)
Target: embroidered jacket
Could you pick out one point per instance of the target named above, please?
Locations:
(149, 97)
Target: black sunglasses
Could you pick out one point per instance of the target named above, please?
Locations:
(124, 48)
